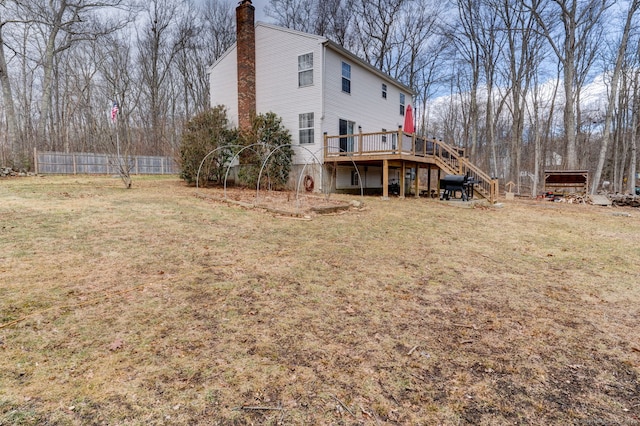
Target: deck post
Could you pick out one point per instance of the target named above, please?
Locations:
(35, 160)
(416, 184)
(429, 179)
(403, 171)
(494, 189)
(385, 179)
(326, 145)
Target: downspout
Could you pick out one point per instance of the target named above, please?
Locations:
(324, 78)
(322, 128)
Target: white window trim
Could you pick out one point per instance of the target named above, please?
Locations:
(355, 178)
(342, 64)
(305, 70)
(309, 129)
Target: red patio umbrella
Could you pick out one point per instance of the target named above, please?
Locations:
(408, 120)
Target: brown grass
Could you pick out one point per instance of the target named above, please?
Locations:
(153, 306)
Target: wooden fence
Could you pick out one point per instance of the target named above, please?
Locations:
(74, 163)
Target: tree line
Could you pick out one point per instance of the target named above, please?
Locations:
(64, 63)
(509, 80)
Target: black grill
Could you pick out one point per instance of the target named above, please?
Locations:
(452, 184)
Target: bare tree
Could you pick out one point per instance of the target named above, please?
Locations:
(294, 14)
(61, 24)
(376, 27)
(635, 129)
(430, 74)
(419, 39)
(7, 99)
(329, 18)
(635, 122)
(202, 36)
(23, 74)
(634, 6)
(217, 35)
(522, 60)
(621, 136)
(570, 43)
(158, 49)
(333, 20)
(465, 36)
(490, 40)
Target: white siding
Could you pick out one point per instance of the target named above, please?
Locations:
(364, 105)
(223, 82)
(371, 178)
(277, 52)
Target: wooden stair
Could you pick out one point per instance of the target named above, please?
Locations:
(451, 162)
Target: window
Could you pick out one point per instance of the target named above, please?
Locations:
(306, 128)
(347, 141)
(305, 70)
(346, 77)
(401, 103)
(355, 178)
(384, 137)
(384, 91)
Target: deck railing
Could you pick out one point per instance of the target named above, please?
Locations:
(397, 144)
(366, 144)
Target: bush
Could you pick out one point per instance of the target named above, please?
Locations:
(204, 133)
(274, 139)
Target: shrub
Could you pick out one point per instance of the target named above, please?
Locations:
(274, 139)
(207, 132)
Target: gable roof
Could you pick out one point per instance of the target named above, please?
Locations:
(330, 45)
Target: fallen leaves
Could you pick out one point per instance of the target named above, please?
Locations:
(116, 345)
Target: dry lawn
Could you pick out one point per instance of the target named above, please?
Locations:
(152, 306)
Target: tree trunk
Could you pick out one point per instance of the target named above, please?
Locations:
(606, 134)
(635, 135)
(537, 154)
(9, 108)
(570, 116)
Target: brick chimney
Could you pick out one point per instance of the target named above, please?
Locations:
(246, 45)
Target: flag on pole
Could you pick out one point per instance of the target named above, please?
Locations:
(114, 111)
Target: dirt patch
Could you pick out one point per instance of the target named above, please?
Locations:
(284, 203)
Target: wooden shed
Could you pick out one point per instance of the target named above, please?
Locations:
(566, 181)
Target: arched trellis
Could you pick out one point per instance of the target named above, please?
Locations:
(313, 153)
(264, 163)
(355, 166)
(266, 160)
(212, 152)
(234, 159)
(302, 173)
(226, 176)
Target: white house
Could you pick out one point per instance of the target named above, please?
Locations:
(346, 117)
(315, 85)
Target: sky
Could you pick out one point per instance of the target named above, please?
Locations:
(259, 5)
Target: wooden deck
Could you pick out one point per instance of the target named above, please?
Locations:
(406, 150)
